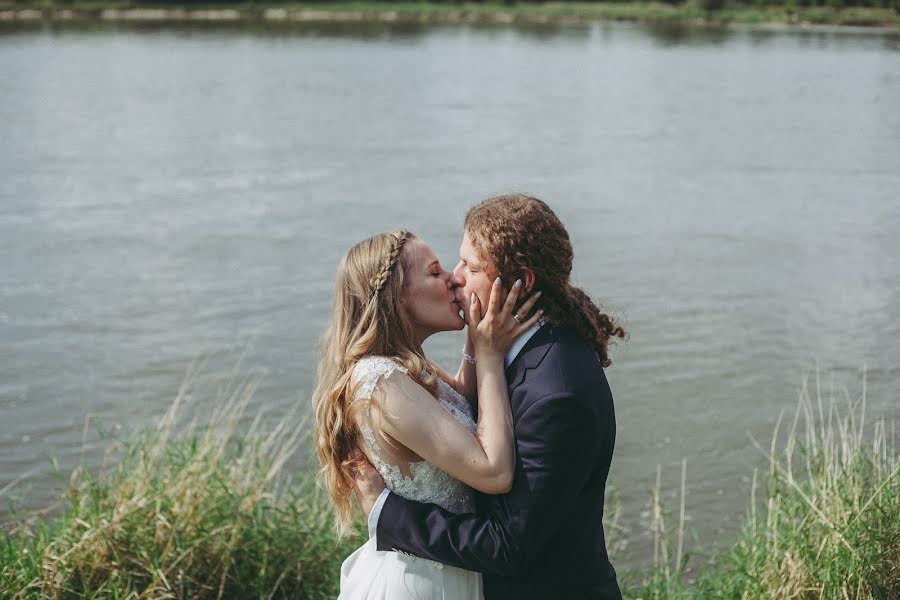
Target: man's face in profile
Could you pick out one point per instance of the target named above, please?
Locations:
(472, 275)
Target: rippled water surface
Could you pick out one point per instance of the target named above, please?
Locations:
(168, 194)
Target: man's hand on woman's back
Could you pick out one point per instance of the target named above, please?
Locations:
(369, 483)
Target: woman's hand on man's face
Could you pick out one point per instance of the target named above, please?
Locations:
(494, 329)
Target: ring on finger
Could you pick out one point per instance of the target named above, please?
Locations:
(516, 317)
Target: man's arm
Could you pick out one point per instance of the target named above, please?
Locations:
(558, 439)
(370, 489)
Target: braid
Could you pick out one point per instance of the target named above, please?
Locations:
(390, 260)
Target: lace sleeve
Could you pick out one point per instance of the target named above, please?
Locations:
(369, 370)
(382, 378)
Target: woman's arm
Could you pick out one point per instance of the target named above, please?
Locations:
(484, 460)
(466, 379)
(410, 416)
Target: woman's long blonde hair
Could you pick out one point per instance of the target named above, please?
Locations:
(368, 318)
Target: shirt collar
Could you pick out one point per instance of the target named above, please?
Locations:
(520, 342)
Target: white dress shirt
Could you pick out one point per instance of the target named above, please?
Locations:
(511, 355)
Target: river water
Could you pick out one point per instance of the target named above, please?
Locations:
(169, 193)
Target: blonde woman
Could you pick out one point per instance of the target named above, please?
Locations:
(377, 391)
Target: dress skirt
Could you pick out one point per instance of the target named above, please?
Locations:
(369, 574)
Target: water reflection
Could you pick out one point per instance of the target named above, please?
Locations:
(663, 34)
(678, 34)
(363, 30)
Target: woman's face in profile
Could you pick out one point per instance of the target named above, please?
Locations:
(428, 293)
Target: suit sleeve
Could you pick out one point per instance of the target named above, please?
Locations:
(556, 442)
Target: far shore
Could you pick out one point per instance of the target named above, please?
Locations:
(688, 14)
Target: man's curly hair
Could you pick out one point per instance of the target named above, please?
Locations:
(518, 232)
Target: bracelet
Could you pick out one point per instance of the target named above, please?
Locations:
(468, 357)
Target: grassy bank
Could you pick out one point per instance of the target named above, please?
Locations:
(692, 12)
(201, 514)
(211, 514)
(823, 519)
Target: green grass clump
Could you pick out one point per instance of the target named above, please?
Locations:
(826, 527)
(202, 514)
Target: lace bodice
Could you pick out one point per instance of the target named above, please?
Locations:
(425, 482)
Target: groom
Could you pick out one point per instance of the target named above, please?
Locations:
(544, 538)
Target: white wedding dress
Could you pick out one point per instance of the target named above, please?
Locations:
(368, 574)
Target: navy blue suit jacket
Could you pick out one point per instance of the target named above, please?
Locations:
(543, 539)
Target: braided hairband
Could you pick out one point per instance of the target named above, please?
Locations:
(390, 260)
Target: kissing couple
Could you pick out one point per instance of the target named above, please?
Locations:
(490, 483)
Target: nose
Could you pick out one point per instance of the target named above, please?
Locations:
(457, 277)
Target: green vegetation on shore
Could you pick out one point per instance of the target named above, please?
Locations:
(212, 514)
(823, 519)
(206, 514)
(883, 13)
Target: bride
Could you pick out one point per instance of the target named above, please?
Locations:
(415, 423)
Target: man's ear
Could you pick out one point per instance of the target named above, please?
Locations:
(528, 279)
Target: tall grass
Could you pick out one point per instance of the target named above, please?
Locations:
(823, 519)
(211, 513)
(185, 514)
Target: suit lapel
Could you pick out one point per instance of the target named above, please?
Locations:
(530, 356)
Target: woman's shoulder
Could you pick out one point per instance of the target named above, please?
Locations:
(369, 369)
(378, 364)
